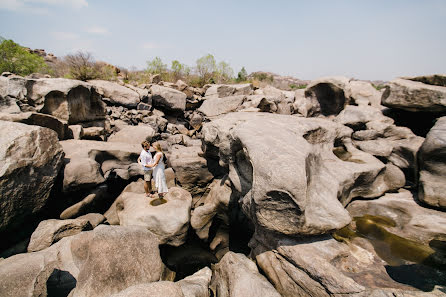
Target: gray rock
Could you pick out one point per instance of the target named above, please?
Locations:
(51, 231)
(39, 119)
(236, 276)
(215, 203)
(217, 106)
(91, 202)
(168, 221)
(168, 98)
(133, 134)
(30, 160)
(220, 91)
(112, 258)
(157, 289)
(94, 218)
(190, 168)
(116, 94)
(435, 79)
(76, 131)
(432, 160)
(285, 169)
(197, 284)
(8, 105)
(364, 94)
(414, 96)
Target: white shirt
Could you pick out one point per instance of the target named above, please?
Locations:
(146, 158)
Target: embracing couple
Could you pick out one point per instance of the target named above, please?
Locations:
(153, 166)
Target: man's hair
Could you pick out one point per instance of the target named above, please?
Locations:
(145, 143)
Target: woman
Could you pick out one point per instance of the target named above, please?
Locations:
(158, 171)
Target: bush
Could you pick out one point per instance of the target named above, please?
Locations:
(242, 76)
(206, 67)
(16, 59)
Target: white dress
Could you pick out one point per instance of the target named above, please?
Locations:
(158, 175)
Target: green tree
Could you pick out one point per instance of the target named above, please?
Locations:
(16, 59)
(156, 66)
(224, 72)
(242, 75)
(206, 66)
(179, 70)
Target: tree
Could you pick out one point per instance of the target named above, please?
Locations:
(16, 59)
(206, 66)
(179, 70)
(81, 66)
(242, 75)
(224, 72)
(156, 66)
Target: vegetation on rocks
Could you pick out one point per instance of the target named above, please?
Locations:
(16, 59)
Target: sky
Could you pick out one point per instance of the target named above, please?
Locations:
(363, 39)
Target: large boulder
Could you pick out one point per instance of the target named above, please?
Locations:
(292, 178)
(432, 159)
(236, 276)
(168, 221)
(214, 204)
(30, 160)
(220, 91)
(329, 95)
(133, 134)
(39, 119)
(197, 284)
(217, 106)
(190, 168)
(414, 96)
(51, 231)
(167, 98)
(116, 94)
(157, 289)
(90, 163)
(364, 94)
(411, 220)
(69, 100)
(112, 258)
(95, 263)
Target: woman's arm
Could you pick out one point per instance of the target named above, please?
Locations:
(155, 161)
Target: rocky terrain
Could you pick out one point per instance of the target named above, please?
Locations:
(337, 189)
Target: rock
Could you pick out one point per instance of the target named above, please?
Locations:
(412, 221)
(217, 106)
(196, 121)
(356, 117)
(181, 85)
(168, 221)
(277, 197)
(190, 168)
(94, 133)
(91, 202)
(88, 160)
(306, 269)
(8, 105)
(363, 94)
(111, 214)
(196, 285)
(432, 161)
(77, 131)
(116, 94)
(30, 160)
(133, 134)
(112, 258)
(39, 119)
(157, 289)
(155, 79)
(329, 95)
(215, 203)
(51, 231)
(143, 106)
(158, 123)
(435, 80)
(69, 100)
(24, 275)
(235, 275)
(414, 96)
(94, 218)
(260, 102)
(220, 91)
(168, 98)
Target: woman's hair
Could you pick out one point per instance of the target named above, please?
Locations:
(157, 146)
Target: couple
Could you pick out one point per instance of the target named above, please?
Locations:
(157, 165)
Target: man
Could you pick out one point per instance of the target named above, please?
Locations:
(144, 159)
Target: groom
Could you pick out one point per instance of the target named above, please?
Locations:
(146, 158)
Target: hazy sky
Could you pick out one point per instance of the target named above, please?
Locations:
(364, 39)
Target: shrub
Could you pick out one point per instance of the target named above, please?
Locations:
(242, 76)
(156, 66)
(224, 73)
(296, 87)
(81, 66)
(16, 59)
(206, 66)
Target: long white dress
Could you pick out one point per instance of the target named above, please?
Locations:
(158, 175)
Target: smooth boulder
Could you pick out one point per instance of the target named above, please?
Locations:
(116, 94)
(167, 98)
